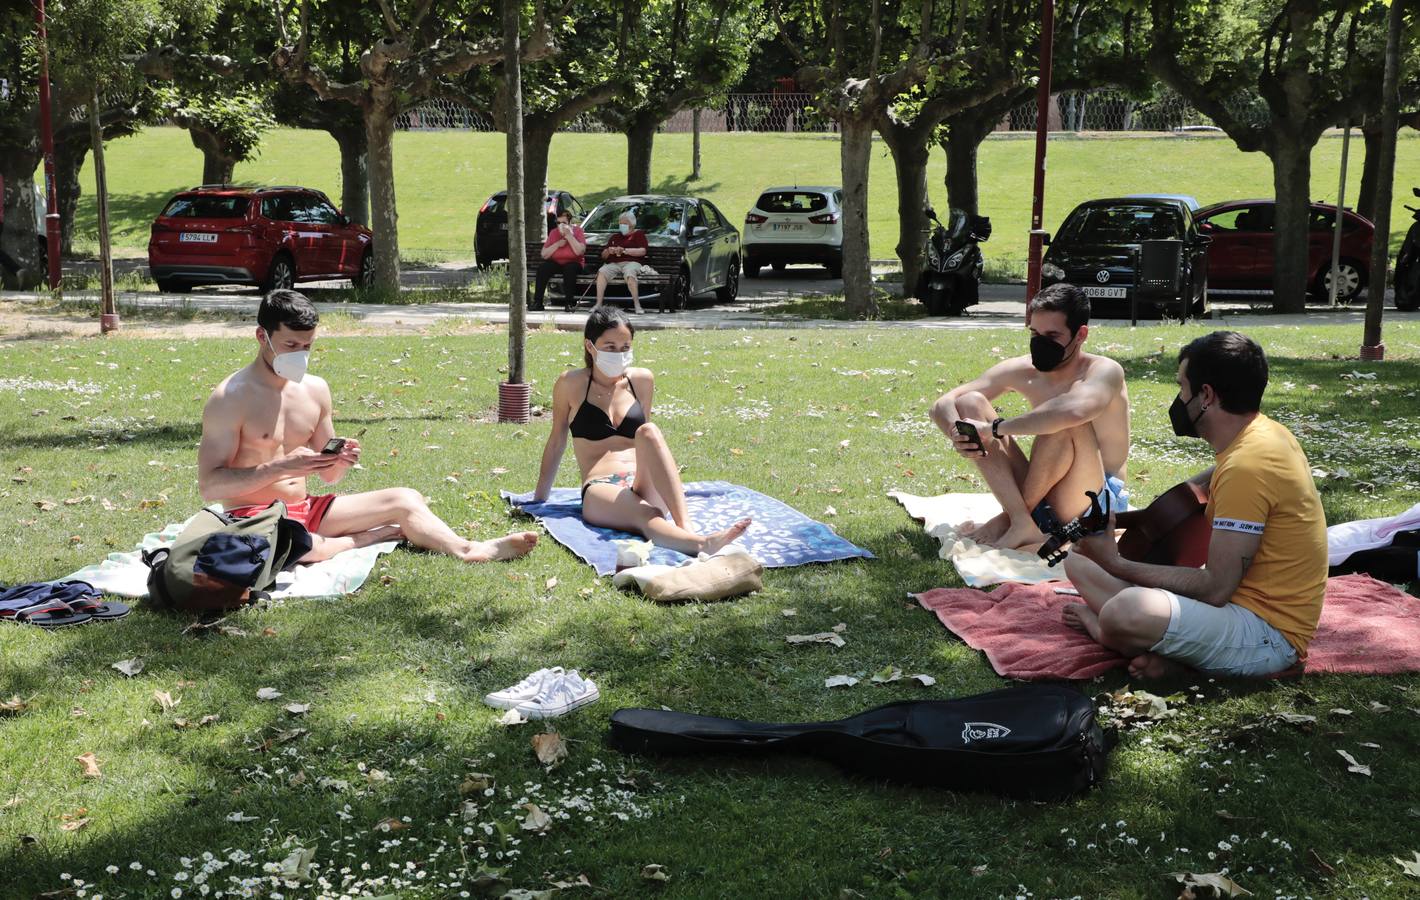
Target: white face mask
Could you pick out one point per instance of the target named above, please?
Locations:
(290, 366)
(612, 364)
(624, 228)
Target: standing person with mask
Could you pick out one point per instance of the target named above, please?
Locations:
(630, 481)
(621, 259)
(1079, 415)
(1252, 610)
(563, 253)
(268, 427)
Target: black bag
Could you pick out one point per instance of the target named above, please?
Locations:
(1036, 741)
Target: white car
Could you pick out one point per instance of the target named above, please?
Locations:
(794, 224)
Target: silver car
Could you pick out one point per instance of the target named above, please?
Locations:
(692, 224)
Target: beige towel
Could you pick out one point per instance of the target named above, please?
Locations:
(729, 573)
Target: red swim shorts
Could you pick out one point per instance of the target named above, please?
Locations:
(310, 512)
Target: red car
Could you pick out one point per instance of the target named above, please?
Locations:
(1240, 257)
(271, 237)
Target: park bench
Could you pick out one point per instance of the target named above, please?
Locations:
(669, 286)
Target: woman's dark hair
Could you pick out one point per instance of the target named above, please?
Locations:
(292, 309)
(1233, 363)
(603, 319)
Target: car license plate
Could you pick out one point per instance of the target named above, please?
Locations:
(198, 237)
(791, 226)
(1115, 293)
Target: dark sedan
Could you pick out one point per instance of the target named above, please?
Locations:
(490, 233)
(1103, 243)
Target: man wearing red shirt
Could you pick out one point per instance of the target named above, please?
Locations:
(564, 251)
(621, 258)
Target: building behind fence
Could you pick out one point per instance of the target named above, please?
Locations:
(783, 112)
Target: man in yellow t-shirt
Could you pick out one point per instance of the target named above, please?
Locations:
(1252, 610)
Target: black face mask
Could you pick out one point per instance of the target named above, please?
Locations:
(1183, 424)
(1045, 354)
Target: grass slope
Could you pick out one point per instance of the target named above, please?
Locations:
(98, 446)
(443, 177)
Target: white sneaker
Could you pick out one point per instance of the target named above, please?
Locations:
(560, 695)
(526, 689)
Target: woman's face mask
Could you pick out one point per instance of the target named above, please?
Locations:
(613, 364)
(624, 228)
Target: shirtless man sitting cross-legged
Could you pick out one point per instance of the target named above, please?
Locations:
(1079, 415)
(263, 431)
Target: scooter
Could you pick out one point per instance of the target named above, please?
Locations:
(1407, 265)
(951, 273)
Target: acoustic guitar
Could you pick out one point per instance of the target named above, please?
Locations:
(1171, 531)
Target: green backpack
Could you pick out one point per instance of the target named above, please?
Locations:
(220, 563)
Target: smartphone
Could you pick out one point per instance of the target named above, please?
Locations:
(334, 445)
(968, 431)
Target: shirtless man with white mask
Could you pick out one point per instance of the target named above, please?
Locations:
(1079, 415)
(268, 427)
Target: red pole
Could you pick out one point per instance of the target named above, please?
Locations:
(46, 132)
(1042, 127)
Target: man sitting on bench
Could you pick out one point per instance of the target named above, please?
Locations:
(620, 258)
(268, 427)
(1254, 607)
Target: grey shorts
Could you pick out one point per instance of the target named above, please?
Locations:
(1223, 640)
(624, 269)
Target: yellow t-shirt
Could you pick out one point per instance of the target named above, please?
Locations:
(1263, 485)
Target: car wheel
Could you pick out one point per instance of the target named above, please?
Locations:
(1407, 289)
(680, 296)
(282, 275)
(1352, 277)
(366, 278)
(779, 267)
(169, 286)
(835, 268)
(731, 290)
(1199, 309)
(751, 269)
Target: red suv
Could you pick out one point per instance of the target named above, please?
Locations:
(271, 237)
(1241, 254)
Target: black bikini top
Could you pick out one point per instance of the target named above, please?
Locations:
(594, 423)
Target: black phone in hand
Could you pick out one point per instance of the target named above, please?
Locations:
(334, 445)
(968, 431)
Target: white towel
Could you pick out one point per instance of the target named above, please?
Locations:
(1367, 534)
(978, 566)
(125, 575)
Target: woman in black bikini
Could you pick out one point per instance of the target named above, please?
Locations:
(629, 479)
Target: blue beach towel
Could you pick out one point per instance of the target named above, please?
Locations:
(780, 536)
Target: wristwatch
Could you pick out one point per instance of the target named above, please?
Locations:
(996, 426)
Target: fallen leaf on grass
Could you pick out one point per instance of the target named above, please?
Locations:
(839, 681)
(1321, 864)
(829, 512)
(550, 583)
(525, 894)
(129, 667)
(200, 723)
(14, 706)
(550, 748)
(390, 824)
(887, 674)
(1340, 712)
(165, 700)
(44, 505)
(297, 866)
(823, 637)
(655, 872)
(1410, 867)
(924, 680)
(512, 717)
(978, 870)
(75, 820)
(1378, 707)
(297, 709)
(788, 613)
(90, 762)
(1296, 718)
(1219, 884)
(580, 881)
(268, 693)
(499, 470)
(1352, 765)
(536, 820)
(475, 783)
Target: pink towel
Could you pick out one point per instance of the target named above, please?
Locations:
(1367, 627)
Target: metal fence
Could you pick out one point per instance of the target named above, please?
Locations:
(1100, 109)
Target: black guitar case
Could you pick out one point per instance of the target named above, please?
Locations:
(1035, 741)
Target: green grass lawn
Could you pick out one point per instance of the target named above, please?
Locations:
(97, 440)
(443, 177)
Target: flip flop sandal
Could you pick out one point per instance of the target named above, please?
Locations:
(49, 614)
(102, 611)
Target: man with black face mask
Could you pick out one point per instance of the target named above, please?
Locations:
(1079, 416)
(1253, 609)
